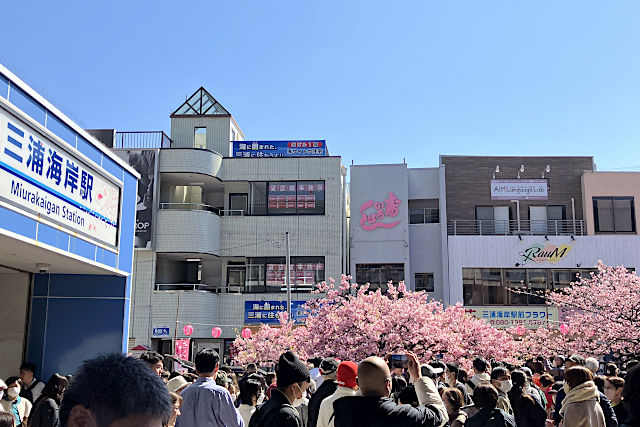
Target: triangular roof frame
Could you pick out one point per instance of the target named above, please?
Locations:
(201, 104)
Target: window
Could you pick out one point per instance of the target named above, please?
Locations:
(200, 138)
(424, 211)
(237, 204)
(614, 215)
(424, 282)
(236, 277)
(287, 198)
(378, 275)
(492, 219)
(268, 274)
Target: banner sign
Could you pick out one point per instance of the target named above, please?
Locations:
(370, 219)
(315, 148)
(256, 312)
(144, 162)
(182, 349)
(44, 178)
(519, 189)
(541, 252)
(160, 331)
(504, 317)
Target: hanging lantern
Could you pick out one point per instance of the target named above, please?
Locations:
(564, 329)
(216, 332)
(521, 330)
(188, 329)
(246, 333)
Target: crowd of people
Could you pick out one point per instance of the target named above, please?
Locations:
(122, 391)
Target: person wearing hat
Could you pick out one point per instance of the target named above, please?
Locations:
(177, 384)
(329, 372)
(292, 382)
(347, 386)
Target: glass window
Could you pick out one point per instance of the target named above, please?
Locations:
(306, 272)
(27, 104)
(516, 279)
(255, 275)
(472, 286)
(258, 194)
(282, 198)
(537, 284)
(237, 204)
(614, 214)
(378, 275)
(424, 282)
(416, 216)
(560, 279)
(493, 292)
(200, 138)
(310, 197)
(236, 277)
(4, 86)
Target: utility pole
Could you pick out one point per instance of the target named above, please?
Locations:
(175, 332)
(288, 275)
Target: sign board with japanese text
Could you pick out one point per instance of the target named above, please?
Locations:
(504, 317)
(315, 148)
(43, 177)
(160, 331)
(373, 213)
(519, 189)
(256, 312)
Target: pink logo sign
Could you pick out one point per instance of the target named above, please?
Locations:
(374, 220)
(182, 349)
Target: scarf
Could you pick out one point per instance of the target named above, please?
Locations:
(585, 391)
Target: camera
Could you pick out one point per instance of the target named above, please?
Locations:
(43, 268)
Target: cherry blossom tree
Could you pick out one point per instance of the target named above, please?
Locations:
(603, 316)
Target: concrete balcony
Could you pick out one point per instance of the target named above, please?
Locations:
(188, 231)
(190, 160)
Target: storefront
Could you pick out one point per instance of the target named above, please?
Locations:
(67, 209)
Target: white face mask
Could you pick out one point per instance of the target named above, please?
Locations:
(505, 386)
(13, 392)
(260, 398)
(1, 394)
(300, 399)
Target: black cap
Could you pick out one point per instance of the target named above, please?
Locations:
(329, 366)
(291, 370)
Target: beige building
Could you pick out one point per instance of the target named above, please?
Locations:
(611, 202)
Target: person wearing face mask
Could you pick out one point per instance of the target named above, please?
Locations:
(13, 403)
(293, 379)
(251, 395)
(451, 379)
(501, 380)
(526, 411)
(374, 408)
(580, 407)
(347, 386)
(613, 387)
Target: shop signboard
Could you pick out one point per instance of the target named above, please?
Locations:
(519, 189)
(160, 331)
(45, 178)
(504, 317)
(314, 148)
(373, 214)
(543, 252)
(144, 162)
(256, 312)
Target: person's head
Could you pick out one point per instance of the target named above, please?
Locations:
(398, 383)
(270, 378)
(453, 399)
(439, 369)
(114, 390)
(329, 368)
(592, 364)
(222, 379)
(576, 376)
(293, 376)
(480, 365)
(154, 361)
(598, 380)
(27, 373)
(408, 396)
(250, 391)
(613, 388)
(558, 361)
(537, 367)
(501, 379)
(631, 395)
(207, 362)
(374, 377)
(574, 360)
(485, 396)
(463, 377)
(55, 387)
(347, 375)
(13, 388)
(630, 364)
(315, 361)
(7, 419)
(451, 373)
(176, 401)
(546, 380)
(252, 368)
(611, 370)
(177, 384)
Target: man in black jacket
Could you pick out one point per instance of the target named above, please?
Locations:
(292, 382)
(329, 372)
(375, 409)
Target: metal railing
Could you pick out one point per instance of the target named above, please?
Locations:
(565, 227)
(142, 139)
(202, 287)
(190, 207)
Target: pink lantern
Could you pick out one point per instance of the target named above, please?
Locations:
(246, 333)
(521, 330)
(564, 329)
(188, 329)
(216, 332)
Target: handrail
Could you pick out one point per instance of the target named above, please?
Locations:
(142, 139)
(189, 207)
(551, 227)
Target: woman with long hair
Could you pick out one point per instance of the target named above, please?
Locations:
(45, 411)
(526, 411)
(176, 400)
(581, 407)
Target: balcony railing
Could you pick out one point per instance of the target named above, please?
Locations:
(186, 287)
(201, 207)
(142, 139)
(514, 227)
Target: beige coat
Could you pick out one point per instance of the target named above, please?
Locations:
(581, 407)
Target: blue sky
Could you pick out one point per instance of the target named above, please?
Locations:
(380, 81)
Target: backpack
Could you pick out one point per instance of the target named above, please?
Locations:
(28, 393)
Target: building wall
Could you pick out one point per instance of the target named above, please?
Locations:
(144, 277)
(468, 181)
(218, 132)
(595, 184)
(13, 317)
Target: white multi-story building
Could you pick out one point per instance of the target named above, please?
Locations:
(212, 219)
